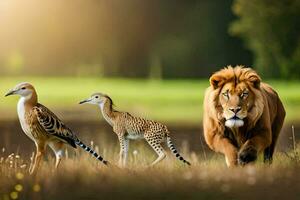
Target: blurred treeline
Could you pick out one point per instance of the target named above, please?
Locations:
(149, 38)
(271, 30)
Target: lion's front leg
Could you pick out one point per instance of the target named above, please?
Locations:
(231, 155)
(217, 141)
(248, 152)
(223, 145)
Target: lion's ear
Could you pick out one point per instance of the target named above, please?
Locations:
(255, 80)
(216, 81)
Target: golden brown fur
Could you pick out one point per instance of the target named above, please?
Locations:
(242, 115)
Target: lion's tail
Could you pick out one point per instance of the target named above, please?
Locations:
(174, 151)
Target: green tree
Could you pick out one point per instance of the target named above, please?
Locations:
(271, 30)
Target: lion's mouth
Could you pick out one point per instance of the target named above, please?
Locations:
(235, 118)
(234, 122)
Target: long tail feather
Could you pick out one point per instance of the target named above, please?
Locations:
(91, 151)
(175, 152)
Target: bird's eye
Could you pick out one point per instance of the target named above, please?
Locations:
(96, 97)
(23, 88)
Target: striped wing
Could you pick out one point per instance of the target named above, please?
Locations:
(53, 125)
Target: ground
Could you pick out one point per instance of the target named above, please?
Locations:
(84, 178)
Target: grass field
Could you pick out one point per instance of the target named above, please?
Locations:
(178, 101)
(82, 177)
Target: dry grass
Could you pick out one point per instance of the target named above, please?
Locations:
(82, 177)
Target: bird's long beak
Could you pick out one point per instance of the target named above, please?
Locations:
(84, 101)
(11, 92)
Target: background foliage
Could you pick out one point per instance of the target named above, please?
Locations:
(271, 30)
(129, 38)
(158, 39)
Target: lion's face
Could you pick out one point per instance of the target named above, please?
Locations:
(237, 91)
(235, 101)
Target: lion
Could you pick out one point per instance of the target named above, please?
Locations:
(242, 116)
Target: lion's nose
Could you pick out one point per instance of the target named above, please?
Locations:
(235, 110)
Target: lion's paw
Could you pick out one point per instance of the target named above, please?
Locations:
(247, 155)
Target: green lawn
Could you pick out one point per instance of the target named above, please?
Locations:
(168, 100)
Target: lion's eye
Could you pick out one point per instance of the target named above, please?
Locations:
(244, 94)
(225, 94)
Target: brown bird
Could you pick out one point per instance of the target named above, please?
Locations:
(44, 127)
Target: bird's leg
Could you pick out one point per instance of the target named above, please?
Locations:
(126, 147)
(160, 152)
(32, 158)
(122, 149)
(120, 163)
(156, 146)
(38, 158)
(58, 150)
(58, 159)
